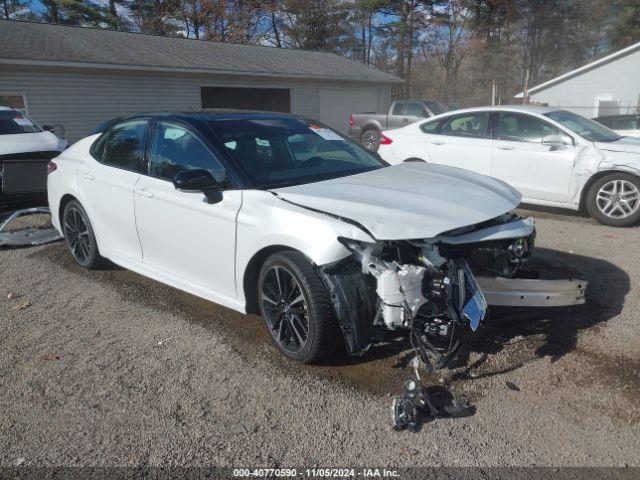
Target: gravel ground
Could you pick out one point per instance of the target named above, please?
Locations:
(110, 368)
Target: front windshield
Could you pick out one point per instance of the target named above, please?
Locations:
(436, 107)
(289, 151)
(592, 131)
(13, 122)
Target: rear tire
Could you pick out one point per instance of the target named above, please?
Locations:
(370, 139)
(296, 307)
(79, 236)
(615, 200)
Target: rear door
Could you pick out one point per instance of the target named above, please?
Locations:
(106, 180)
(462, 141)
(538, 171)
(181, 234)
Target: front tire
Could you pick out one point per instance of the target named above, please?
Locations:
(79, 236)
(296, 307)
(370, 139)
(614, 200)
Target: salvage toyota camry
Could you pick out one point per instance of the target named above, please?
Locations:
(283, 216)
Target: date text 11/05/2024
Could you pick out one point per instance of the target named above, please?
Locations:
(316, 472)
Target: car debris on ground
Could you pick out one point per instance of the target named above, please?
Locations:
(28, 234)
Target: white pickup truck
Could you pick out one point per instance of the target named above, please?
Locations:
(367, 127)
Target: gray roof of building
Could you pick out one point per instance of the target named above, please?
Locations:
(585, 68)
(41, 43)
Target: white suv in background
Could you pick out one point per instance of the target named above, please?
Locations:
(553, 157)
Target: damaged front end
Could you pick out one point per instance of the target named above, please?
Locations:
(435, 287)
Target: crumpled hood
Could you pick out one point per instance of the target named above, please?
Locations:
(624, 145)
(409, 200)
(30, 142)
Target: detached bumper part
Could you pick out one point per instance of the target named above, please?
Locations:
(28, 236)
(519, 292)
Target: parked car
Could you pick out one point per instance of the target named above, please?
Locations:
(553, 157)
(25, 151)
(366, 127)
(625, 125)
(279, 215)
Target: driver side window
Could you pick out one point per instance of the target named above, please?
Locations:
(516, 127)
(176, 149)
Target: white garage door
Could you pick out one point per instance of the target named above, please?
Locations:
(336, 104)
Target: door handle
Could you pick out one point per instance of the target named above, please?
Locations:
(86, 174)
(437, 142)
(143, 192)
(405, 119)
(505, 147)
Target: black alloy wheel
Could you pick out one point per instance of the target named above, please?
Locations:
(296, 307)
(79, 236)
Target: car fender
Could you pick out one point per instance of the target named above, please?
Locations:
(64, 180)
(591, 164)
(266, 221)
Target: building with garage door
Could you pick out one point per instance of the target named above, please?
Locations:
(80, 77)
(609, 86)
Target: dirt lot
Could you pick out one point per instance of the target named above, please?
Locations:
(109, 368)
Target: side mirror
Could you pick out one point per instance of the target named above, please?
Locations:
(198, 181)
(57, 129)
(556, 141)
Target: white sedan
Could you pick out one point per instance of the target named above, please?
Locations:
(279, 215)
(553, 157)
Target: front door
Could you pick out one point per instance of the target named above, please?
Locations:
(181, 234)
(520, 158)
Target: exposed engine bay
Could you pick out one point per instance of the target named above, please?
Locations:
(434, 288)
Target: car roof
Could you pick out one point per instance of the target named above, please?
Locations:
(538, 109)
(5, 108)
(200, 115)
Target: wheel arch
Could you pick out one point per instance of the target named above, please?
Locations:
(372, 125)
(64, 201)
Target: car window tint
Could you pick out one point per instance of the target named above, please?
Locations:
(275, 151)
(523, 128)
(123, 145)
(622, 123)
(175, 149)
(397, 108)
(13, 122)
(474, 125)
(416, 110)
(430, 127)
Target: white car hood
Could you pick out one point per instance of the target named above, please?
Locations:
(408, 201)
(624, 145)
(30, 142)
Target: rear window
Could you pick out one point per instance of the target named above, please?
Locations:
(13, 122)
